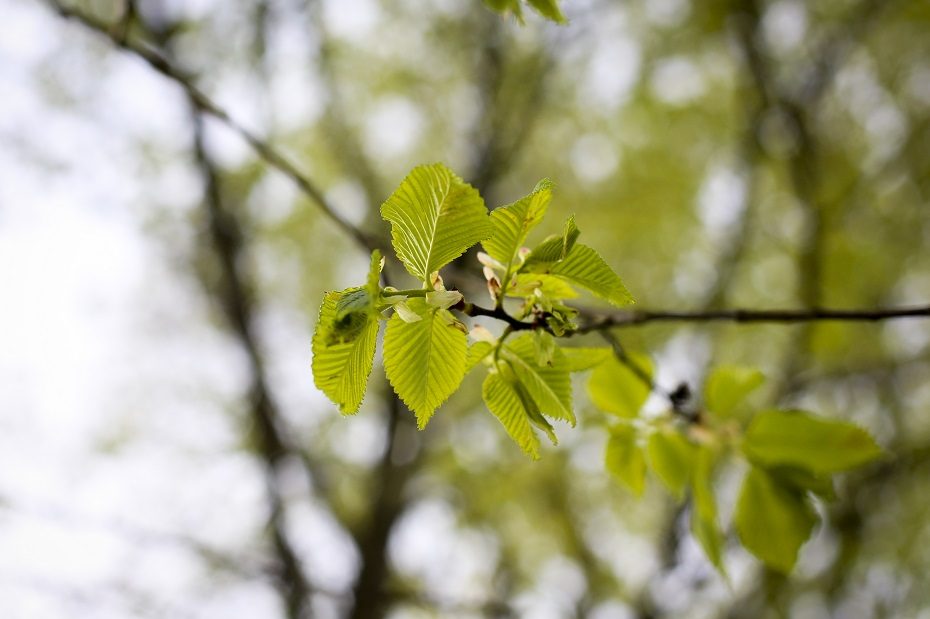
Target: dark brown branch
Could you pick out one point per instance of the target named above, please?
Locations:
(630, 318)
(470, 309)
(271, 155)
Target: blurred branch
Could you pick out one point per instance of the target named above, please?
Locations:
(271, 155)
(226, 242)
(234, 297)
(240, 565)
(344, 142)
(506, 122)
(400, 458)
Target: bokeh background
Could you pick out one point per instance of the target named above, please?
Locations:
(163, 451)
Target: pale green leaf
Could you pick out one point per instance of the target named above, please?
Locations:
(435, 216)
(373, 284)
(795, 438)
(545, 347)
(424, 360)
(553, 249)
(727, 387)
(503, 400)
(476, 354)
(704, 524)
(625, 460)
(615, 388)
(672, 458)
(530, 406)
(553, 287)
(773, 519)
(510, 224)
(581, 359)
(343, 351)
(402, 309)
(443, 299)
(585, 267)
(550, 386)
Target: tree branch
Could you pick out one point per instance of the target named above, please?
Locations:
(271, 155)
(630, 318)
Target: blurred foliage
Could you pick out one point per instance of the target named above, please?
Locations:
(757, 154)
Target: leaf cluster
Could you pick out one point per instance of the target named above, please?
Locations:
(436, 217)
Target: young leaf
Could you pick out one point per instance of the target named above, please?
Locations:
(343, 350)
(773, 519)
(585, 267)
(614, 387)
(424, 360)
(550, 386)
(727, 386)
(795, 438)
(372, 284)
(581, 359)
(510, 224)
(624, 458)
(553, 249)
(504, 401)
(704, 523)
(672, 457)
(526, 284)
(476, 354)
(435, 216)
(545, 347)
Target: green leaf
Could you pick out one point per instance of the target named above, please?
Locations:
(550, 386)
(585, 267)
(728, 385)
(525, 285)
(805, 481)
(614, 387)
(672, 457)
(545, 347)
(548, 9)
(362, 298)
(476, 354)
(795, 438)
(503, 400)
(372, 284)
(581, 359)
(343, 351)
(773, 519)
(510, 224)
(435, 216)
(624, 458)
(553, 249)
(424, 360)
(704, 523)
